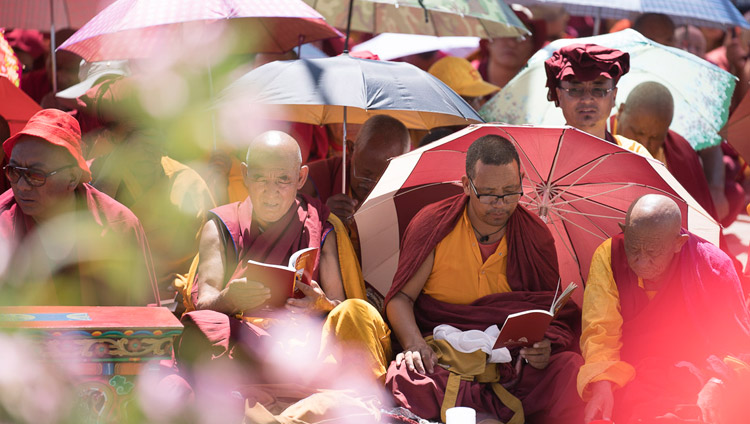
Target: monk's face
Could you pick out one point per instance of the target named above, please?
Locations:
(587, 105)
(644, 126)
(511, 52)
(369, 161)
(40, 156)
(650, 250)
(493, 179)
(272, 185)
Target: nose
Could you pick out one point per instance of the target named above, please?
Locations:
(23, 184)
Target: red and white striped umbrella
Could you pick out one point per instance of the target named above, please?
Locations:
(133, 29)
(580, 185)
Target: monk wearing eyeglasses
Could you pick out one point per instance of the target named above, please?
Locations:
(468, 262)
(70, 244)
(582, 82)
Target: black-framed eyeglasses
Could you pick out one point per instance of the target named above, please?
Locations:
(491, 199)
(34, 177)
(578, 92)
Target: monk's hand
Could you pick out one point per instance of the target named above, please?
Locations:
(710, 401)
(243, 295)
(314, 302)
(342, 206)
(601, 403)
(538, 355)
(419, 357)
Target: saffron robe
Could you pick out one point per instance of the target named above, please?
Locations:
(98, 256)
(532, 275)
(643, 341)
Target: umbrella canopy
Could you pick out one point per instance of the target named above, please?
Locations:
(480, 18)
(40, 14)
(393, 46)
(737, 130)
(706, 13)
(132, 29)
(17, 107)
(317, 91)
(578, 184)
(701, 91)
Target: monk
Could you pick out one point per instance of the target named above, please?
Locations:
(662, 310)
(657, 27)
(469, 261)
(582, 82)
(380, 139)
(270, 225)
(71, 244)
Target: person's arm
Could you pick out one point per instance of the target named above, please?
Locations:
(712, 159)
(326, 296)
(239, 295)
(400, 311)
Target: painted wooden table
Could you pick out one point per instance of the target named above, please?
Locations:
(109, 345)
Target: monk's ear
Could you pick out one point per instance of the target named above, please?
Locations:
(620, 109)
(622, 226)
(303, 171)
(465, 185)
(614, 97)
(681, 240)
(75, 178)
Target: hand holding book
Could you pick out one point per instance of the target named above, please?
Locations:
(314, 300)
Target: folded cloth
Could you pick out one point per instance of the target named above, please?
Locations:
(472, 340)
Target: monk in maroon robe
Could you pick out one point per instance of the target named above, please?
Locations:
(70, 243)
(662, 311)
(443, 256)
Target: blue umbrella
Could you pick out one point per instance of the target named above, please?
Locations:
(708, 13)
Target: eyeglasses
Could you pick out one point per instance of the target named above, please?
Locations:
(578, 92)
(491, 199)
(363, 178)
(34, 177)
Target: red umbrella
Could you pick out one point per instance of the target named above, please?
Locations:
(17, 107)
(131, 29)
(580, 185)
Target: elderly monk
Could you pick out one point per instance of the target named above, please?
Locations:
(380, 139)
(582, 81)
(469, 261)
(659, 304)
(270, 225)
(71, 244)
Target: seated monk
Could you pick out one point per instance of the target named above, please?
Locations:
(380, 139)
(169, 198)
(271, 224)
(70, 244)
(582, 82)
(662, 307)
(469, 261)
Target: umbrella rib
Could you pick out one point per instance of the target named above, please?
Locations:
(557, 154)
(595, 163)
(403, 193)
(579, 226)
(568, 246)
(589, 216)
(584, 214)
(538, 174)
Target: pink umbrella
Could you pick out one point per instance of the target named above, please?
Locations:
(132, 29)
(41, 14)
(578, 184)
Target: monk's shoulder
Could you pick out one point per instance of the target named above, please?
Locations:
(110, 211)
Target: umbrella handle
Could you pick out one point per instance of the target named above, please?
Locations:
(426, 15)
(343, 158)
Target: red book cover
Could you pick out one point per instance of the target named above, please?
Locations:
(282, 279)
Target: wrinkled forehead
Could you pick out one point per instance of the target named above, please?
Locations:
(35, 151)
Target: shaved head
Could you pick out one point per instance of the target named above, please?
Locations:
(646, 115)
(652, 235)
(273, 174)
(656, 27)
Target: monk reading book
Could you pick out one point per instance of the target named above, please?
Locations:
(282, 280)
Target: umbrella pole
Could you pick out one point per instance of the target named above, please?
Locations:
(52, 45)
(343, 158)
(346, 41)
(598, 21)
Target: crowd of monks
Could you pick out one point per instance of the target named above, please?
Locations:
(662, 335)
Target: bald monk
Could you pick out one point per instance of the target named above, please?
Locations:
(657, 27)
(582, 82)
(380, 139)
(70, 244)
(645, 117)
(469, 261)
(662, 307)
(271, 224)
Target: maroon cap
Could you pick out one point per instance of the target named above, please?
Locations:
(55, 127)
(584, 62)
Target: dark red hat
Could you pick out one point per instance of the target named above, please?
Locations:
(55, 127)
(584, 62)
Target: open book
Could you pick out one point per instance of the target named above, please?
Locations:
(282, 280)
(528, 327)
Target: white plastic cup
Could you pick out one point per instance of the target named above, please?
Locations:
(460, 415)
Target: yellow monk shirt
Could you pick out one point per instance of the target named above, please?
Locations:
(459, 275)
(602, 326)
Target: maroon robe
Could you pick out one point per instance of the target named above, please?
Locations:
(326, 176)
(684, 164)
(304, 225)
(119, 227)
(697, 312)
(532, 274)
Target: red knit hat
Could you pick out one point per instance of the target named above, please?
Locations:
(585, 62)
(55, 127)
